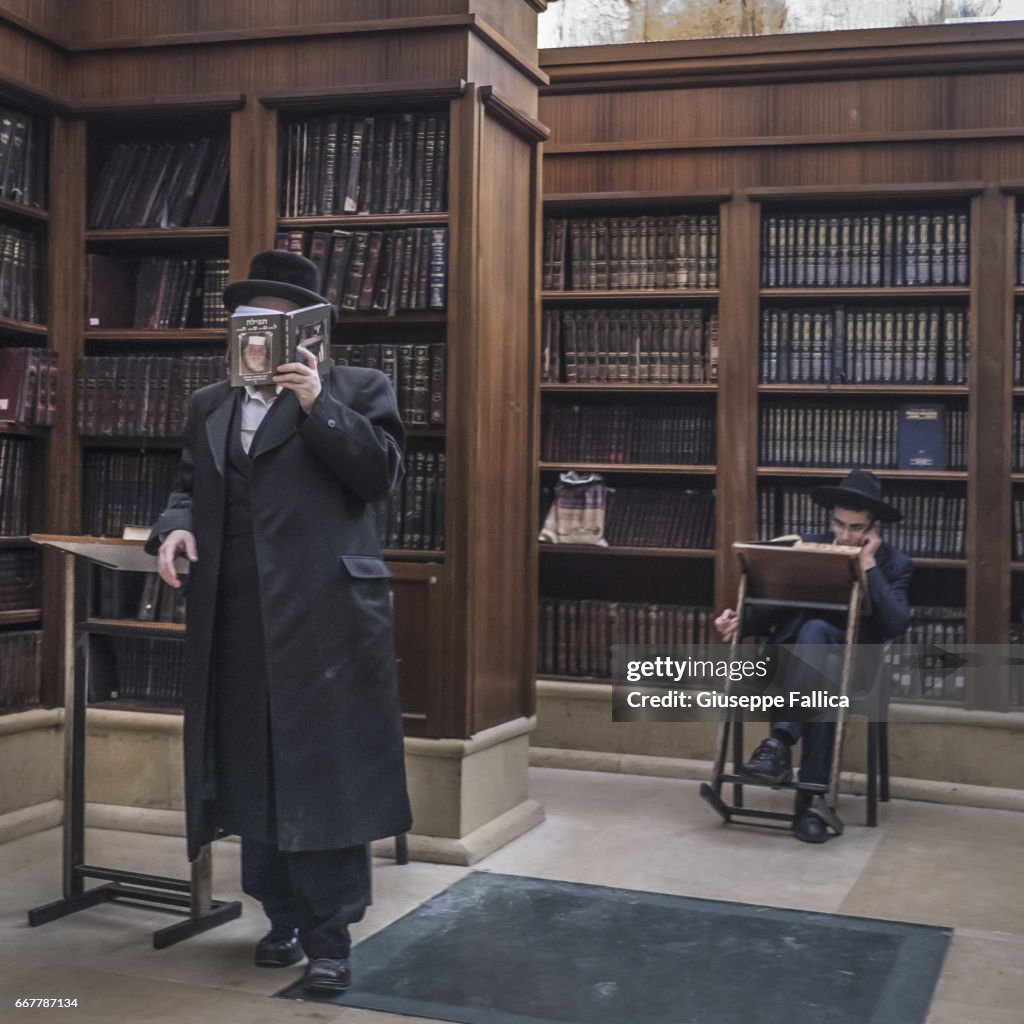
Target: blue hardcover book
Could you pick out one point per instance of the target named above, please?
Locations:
(922, 437)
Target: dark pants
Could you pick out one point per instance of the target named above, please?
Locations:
(320, 892)
(818, 640)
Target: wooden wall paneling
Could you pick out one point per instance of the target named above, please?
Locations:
(253, 185)
(517, 81)
(260, 68)
(419, 621)
(33, 70)
(503, 472)
(989, 431)
(460, 440)
(66, 317)
(736, 483)
(118, 23)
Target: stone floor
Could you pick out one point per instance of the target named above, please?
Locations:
(954, 866)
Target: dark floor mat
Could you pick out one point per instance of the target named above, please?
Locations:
(501, 949)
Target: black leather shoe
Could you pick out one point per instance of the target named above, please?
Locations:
(278, 948)
(326, 974)
(809, 828)
(771, 762)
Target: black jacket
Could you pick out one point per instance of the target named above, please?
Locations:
(326, 602)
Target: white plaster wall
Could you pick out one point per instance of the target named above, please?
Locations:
(593, 22)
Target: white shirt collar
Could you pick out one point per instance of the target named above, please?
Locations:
(254, 392)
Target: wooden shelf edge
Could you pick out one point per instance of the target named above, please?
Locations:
(624, 199)
(902, 291)
(632, 294)
(643, 552)
(864, 389)
(170, 334)
(887, 474)
(132, 704)
(625, 467)
(156, 234)
(21, 615)
(23, 430)
(33, 213)
(629, 388)
(366, 220)
(23, 327)
(422, 94)
(916, 190)
(414, 555)
(154, 629)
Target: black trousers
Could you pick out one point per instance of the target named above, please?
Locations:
(818, 639)
(319, 892)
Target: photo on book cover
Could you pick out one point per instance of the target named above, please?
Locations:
(261, 342)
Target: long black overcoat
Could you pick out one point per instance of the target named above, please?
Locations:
(326, 605)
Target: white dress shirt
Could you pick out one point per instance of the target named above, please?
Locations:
(254, 408)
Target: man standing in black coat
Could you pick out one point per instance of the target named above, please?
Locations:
(293, 731)
(856, 508)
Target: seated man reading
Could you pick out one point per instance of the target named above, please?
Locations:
(856, 507)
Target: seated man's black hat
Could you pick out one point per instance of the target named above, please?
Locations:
(280, 274)
(860, 489)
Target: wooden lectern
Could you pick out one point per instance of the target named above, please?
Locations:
(192, 896)
(816, 577)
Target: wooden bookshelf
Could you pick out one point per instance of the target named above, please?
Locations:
(627, 389)
(654, 296)
(27, 273)
(629, 122)
(158, 236)
(204, 335)
(130, 627)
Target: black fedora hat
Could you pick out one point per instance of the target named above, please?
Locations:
(281, 274)
(860, 489)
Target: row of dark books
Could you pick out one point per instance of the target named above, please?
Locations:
(1018, 245)
(629, 346)
(602, 253)
(576, 637)
(143, 670)
(417, 373)
(15, 453)
(143, 597)
(933, 523)
(919, 672)
(1018, 438)
(125, 488)
(1018, 348)
(28, 386)
(390, 271)
(379, 163)
(783, 508)
(154, 293)
(19, 579)
(1016, 636)
(660, 517)
(24, 141)
(161, 183)
(412, 518)
(1018, 528)
(655, 434)
(855, 250)
(22, 258)
(826, 433)
(141, 396)
(21, 669)
(887, 345)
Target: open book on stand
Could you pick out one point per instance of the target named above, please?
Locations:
(263, 341)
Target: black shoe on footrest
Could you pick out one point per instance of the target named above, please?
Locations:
(327, 974)
(771, 762)
(278, 948)
(809, 828)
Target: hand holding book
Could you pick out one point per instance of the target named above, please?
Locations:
(301, 377)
